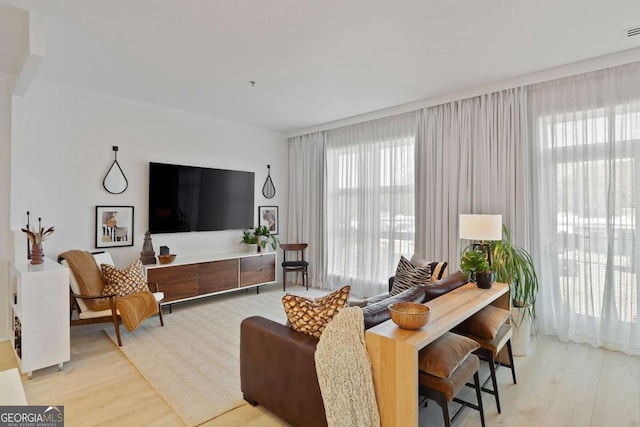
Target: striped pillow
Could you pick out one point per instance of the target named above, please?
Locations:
(438, 268)
(408, 276)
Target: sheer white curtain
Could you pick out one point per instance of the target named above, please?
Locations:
(306, 202)
(585, 132)
(370, 201)
(470, 158)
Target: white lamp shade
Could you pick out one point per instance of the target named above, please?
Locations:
(481, 227)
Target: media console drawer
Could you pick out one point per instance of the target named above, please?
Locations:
(176, 282)
(195, 277)
(259, 269)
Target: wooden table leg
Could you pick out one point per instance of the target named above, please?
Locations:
(395, 378)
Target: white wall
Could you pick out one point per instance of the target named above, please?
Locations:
(68, 135)
(6, 81)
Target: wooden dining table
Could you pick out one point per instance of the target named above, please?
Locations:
(394, 352)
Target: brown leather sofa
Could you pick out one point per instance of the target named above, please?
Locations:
(277, 367)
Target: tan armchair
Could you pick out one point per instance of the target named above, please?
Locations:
(86, 283)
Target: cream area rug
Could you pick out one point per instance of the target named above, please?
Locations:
(193, 362)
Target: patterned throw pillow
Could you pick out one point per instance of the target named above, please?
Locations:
(312, 316)
(123, 282)
(438, 268)
(408, 275)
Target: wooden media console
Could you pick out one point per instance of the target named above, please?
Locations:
(196, 277)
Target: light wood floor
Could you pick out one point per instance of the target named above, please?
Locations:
(559, 384)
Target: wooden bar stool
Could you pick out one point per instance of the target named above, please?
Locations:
(489, 328)
(445, 367)
(298, 265)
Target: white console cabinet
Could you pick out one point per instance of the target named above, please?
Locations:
(39, 307)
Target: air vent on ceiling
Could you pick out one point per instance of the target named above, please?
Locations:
(631, 32)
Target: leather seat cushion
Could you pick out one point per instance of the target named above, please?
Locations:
(450, 386)
(485, 323)
(444, 355)
(295, 264)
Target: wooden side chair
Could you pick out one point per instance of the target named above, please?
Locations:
(298, 265)
(81, 301)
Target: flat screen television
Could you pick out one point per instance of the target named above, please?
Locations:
(189, 198)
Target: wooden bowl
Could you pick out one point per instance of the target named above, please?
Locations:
(166, 259)
(409, 315)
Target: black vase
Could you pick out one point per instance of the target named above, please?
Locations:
(484, 280)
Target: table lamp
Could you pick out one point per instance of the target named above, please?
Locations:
(480, 229)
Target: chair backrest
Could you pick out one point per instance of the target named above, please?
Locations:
(293, 247)
(101, 258)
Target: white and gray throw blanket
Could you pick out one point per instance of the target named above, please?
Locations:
(344, 372)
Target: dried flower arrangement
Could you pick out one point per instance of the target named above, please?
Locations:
(36, 237)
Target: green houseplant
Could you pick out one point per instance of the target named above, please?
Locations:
(250, 240)
(475, 267)
(265, 237)
(514, 265)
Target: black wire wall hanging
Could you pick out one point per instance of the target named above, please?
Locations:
(268, 189)
(115, 182)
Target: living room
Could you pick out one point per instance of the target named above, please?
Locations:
(243, 86)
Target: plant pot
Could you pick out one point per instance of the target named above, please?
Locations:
(251, 247)
(484, 280)
(521, 338)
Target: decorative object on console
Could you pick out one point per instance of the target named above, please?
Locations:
(268, 189)
(264, 238)
(312, 316)
(409, 315)
(36, 237)
(481, 229)
(115, 182)
(250, 240)
(148, 255)
(114, 226)
(268, 217)
(166, 258)
(409, 275)
(476, 268)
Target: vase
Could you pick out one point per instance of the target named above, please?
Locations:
(37, 256)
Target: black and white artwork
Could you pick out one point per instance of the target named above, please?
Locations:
(114, 226)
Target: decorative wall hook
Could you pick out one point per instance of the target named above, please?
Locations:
(268, 190)
(114, 181)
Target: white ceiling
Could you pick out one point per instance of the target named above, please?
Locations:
(314, 61)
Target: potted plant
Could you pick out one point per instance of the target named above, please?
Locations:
(266, 238)
(514, 265)
(250, 240)
(476, 268)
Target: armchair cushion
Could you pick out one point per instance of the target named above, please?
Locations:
(86, 278)
(123, 282)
